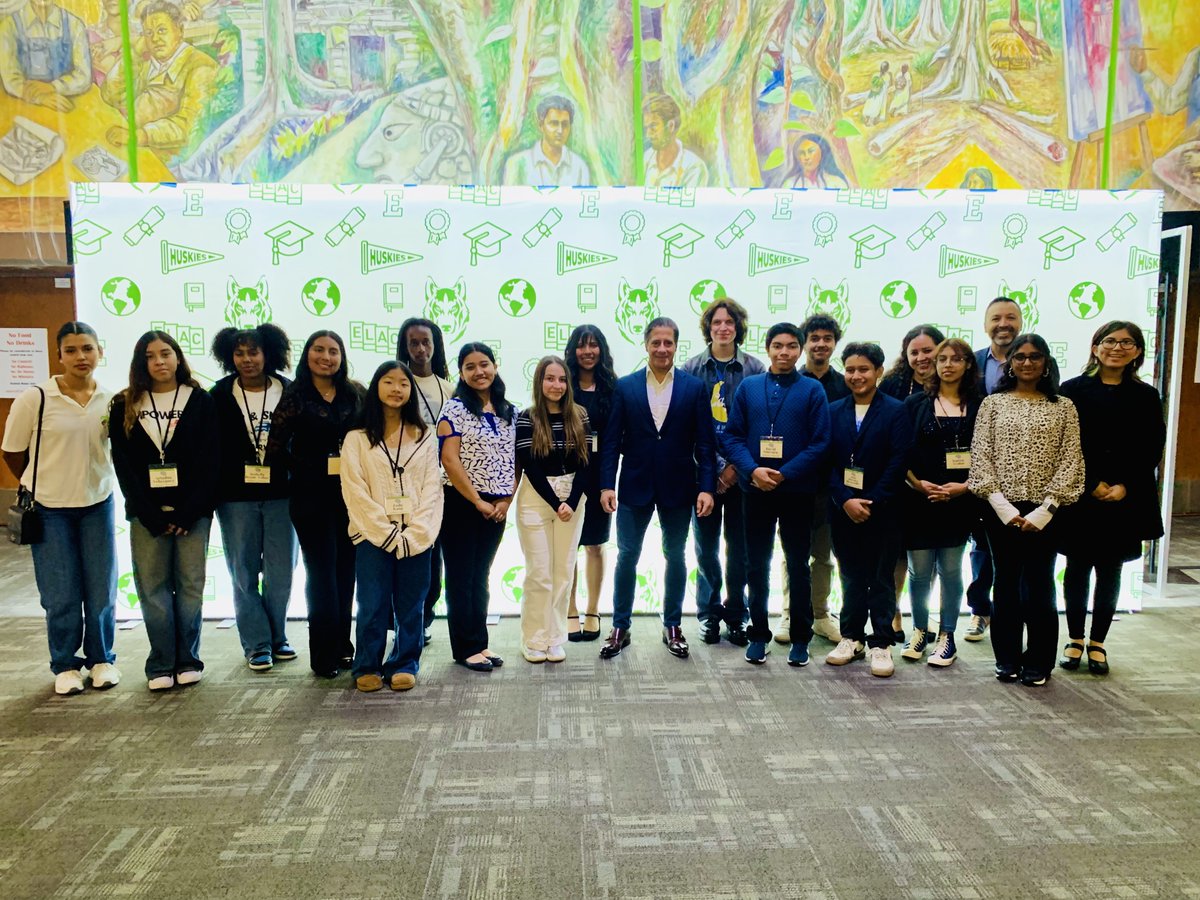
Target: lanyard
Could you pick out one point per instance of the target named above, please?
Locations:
(942, 429)
(782, 400)
(164, 439)
(441, 398)
(256, 431)
(397, 468)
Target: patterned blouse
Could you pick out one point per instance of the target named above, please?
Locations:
(488, 450)
(1027, 449)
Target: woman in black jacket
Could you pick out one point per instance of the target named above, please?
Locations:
(1122, 434)
(316, 411)
(163, 430)
(252, 496)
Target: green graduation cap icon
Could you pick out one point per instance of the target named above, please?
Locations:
(870, 243)
(287, 239)
(1059, 244)
(87, 235)
(485, 240)
(679, 242)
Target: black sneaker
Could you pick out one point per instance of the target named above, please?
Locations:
(737, 636)
(710, 631)
(1007, 674)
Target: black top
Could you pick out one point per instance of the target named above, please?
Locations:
(834, 383)
(306, 430)
(900, 386)
(191, 449)
(237, 450)
(560, 461)
(926, 524)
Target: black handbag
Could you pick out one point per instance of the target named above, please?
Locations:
(24, 520)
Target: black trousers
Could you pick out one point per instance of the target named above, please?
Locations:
(866, 555)
(435, 580)
(1024, 608)
(1077, 581)
(979, 593)
(329, 561)
(469, 547)
(794, 515)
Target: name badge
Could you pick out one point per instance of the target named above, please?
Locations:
(256, 474)
(594, 442)
(333, 466)
(958, 459)
(770, 448)
(165, 475)
(398, 505)
(852, 477)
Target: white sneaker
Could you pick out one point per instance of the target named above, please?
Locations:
(783, 631)
(827, 628)
(556, 653)
(191, 676)
(105, 675)
(917, 642)
(162, 683)
(68, 682)
(533, 655)
(881, 662)
(846, 651)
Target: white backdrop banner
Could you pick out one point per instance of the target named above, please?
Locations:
(519, 267)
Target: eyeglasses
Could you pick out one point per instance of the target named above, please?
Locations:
(950, 359)
(1124, 343)
(1028, 357)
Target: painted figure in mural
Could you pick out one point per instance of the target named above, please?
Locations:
(1179, 168)
(903, 94)
(875, 107)
(550, 160)
(668, 163)
(419, 139)
(813, 165)
(979, 178)
(104, 40)
(44, 55)
(172, 85)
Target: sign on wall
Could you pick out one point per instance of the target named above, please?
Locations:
(519, 267)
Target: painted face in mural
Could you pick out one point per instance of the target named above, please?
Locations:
(1190, 157)
(660, 134)
(808, 155)
(393, 150)
(975, 182)
(556, 128)
(162, 35)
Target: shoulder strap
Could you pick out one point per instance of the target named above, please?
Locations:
(37, 450)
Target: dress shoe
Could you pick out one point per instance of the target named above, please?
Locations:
(590, 634)
(1033, 678)
(736, 635)
(617, 640)
(1007, 674)
(675, 641)
(710, 631)
(574, 636)
(1097, 665)
(496, 661)
(483, 666)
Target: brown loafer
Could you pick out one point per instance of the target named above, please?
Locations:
(403, 681)
(675, 641)
(369, 682)
(617, 640)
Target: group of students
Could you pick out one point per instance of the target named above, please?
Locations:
(383, 487)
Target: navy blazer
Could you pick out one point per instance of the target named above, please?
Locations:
(882, 452)
(669, 467)
(981, 358)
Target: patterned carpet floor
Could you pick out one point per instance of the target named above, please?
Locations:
(642, 777)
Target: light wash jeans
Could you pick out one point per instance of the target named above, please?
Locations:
(75, 566)
(259, 539)
(947, 561)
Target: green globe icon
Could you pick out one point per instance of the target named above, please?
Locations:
(517, 297)
(705, 293)
(121, 296)
(127, 591)
(320, 296)
(1086, 300)
(513, 583)
(898, 299)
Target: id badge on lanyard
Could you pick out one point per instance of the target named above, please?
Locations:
(852, 477)
(958, 459)
(770, 448)
(164, 475)
(258, 474)
(398, 504)
(333, 465)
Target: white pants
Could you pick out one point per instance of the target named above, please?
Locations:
(550, 546)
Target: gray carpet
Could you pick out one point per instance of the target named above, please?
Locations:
(645, 777)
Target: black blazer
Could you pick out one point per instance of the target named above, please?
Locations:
(237, 449)
(669, 467)
(880, 449)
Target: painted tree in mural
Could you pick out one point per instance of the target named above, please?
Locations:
(872, 31)
(967, 74)
(928, 27)
(817, 40)
(1037, 47)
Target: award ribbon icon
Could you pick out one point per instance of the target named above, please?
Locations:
(824, 226)
(1014, 228)
(437, 222)
(237, 221)
(632, 224)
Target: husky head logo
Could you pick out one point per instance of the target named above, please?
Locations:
(246, 307)
(1026, 301)
(834, 303)
(447, 307)
(636, 308)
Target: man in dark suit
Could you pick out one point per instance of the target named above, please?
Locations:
(661, 424)
(1001, 323)
(870, 438)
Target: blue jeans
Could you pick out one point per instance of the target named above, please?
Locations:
(391, 594)
(706, 533)
(75, 566)
(632, 522)
(259, 539)
(921, 565)
(169, 574)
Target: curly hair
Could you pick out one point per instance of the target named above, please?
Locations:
(736, 311)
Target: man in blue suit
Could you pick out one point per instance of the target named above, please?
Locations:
(660, 422)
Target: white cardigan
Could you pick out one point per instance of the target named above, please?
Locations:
(367, 480)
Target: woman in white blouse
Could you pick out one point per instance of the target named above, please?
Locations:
(75, 563)
(393, 491)
(1027, 463)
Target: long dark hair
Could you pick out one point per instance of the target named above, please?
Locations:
(341, 377)
(901, 368)
(828, 164)
(604, 374)
(371, 417)
(140, 381)
(467, 395)
(271, 339)
(438, 363)
(970, 388)
(1130, 372)
(1047, 384)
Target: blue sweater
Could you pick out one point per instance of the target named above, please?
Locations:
(801, 415)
